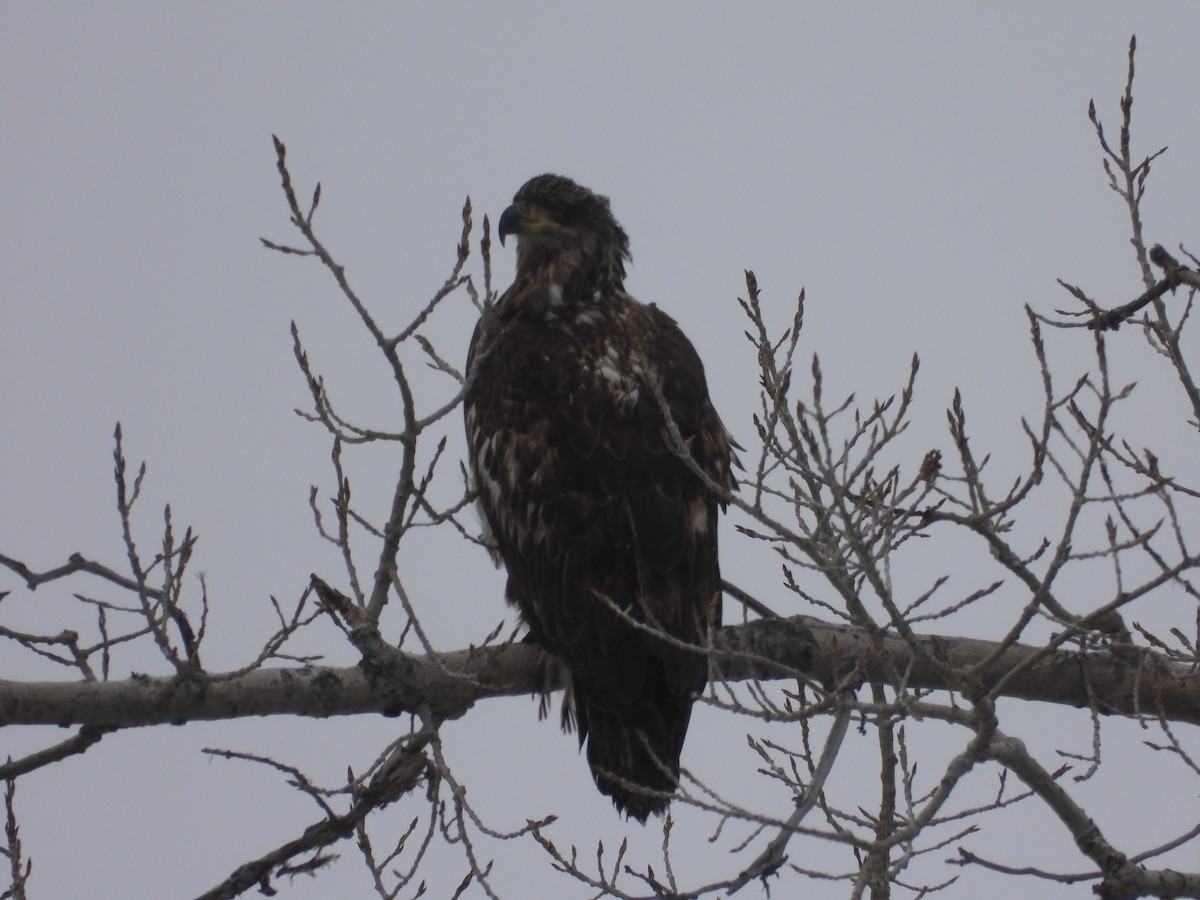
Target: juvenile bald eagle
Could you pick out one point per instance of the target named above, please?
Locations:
(590, 508)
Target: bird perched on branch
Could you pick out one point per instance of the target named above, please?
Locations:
(607, 530)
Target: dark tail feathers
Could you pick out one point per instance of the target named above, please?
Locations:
(634, 751)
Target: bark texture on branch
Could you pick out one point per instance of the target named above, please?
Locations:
(1123, 680)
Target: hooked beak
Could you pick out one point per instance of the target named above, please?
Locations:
(524, 219)
(512, 221)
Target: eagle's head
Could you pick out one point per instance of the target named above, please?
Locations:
(566, 232)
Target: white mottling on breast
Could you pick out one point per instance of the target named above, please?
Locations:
(698, 515)
(611, 375)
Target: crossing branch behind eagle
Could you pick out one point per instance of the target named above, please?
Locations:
(590, 507)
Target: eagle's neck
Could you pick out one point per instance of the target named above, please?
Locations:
(576, 271)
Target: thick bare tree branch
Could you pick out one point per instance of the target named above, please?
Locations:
(1117, 680)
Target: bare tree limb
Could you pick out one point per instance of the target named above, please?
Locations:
(1123, 681)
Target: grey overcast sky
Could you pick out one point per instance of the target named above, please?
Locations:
(922, 170)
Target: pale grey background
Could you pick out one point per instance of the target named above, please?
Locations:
(923, 171)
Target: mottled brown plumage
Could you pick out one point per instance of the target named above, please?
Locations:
(588, 505)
